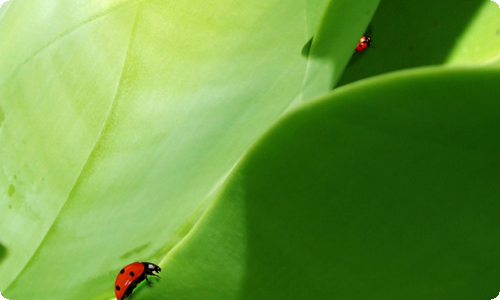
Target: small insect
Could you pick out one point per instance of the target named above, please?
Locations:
(365, 42)
(131, 275)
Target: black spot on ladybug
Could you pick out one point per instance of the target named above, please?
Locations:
(117, 287)
(122, 271)
(132, 274)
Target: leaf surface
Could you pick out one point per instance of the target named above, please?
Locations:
(352, 197)
(418, 34)
(120, 119)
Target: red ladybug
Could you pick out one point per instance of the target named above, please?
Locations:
(131, 275)
(364, 43)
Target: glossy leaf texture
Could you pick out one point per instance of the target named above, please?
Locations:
(123, 124)
(355, 197)
(120, 119)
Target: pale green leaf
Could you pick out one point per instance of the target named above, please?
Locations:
(120, 118)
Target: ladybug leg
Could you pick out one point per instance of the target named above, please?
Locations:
(149, 282)
(151, 275)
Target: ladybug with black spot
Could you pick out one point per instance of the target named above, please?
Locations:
(365, 42)
(131, 275)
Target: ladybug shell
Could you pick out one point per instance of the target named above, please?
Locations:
(127, 279)
(364, 42)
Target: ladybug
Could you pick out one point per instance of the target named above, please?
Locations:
(131, 275)
(364, 43)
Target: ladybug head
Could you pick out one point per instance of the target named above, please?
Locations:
(153, 267)
(366, 40)
(150, 268)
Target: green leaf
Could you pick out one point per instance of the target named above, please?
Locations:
(121, 122)
(121, 118)
(480, 40)
(415, 34)
(393, 195)
(341, 27)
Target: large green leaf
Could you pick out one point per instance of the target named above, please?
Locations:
(53, 118)
(391, 196)
(121, 117)
(120, 122)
